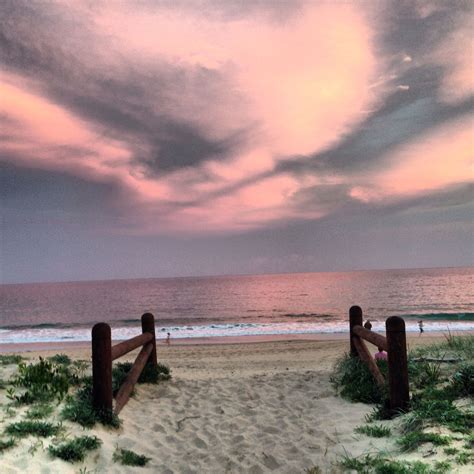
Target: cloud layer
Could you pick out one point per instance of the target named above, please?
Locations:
(211, 118)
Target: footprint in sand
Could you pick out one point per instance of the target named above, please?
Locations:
(237, 439)
(157, 428)
(270, 462)
(199, 443)
(271, 430)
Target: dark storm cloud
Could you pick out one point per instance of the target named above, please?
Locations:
(47, 44)
(416, 27)
(42, 191)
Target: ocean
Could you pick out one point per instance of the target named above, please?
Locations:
(241, 305)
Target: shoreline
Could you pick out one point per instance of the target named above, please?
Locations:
(216, 341)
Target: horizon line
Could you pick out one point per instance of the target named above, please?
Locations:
(223, 275)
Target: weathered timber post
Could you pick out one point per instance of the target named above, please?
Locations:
(397, 364)
(148, 325)
(102, 367)
(355, 319)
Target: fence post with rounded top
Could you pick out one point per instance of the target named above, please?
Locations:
(355, 319)
(397, 364)
(148, 325)
(102, 367)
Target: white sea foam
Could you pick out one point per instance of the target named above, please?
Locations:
(214, 330)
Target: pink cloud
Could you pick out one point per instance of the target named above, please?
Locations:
(439, 159)
(301, 84)
(44, 134)
(304, 81)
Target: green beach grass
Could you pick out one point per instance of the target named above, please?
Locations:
(45, 394)
(441, 415)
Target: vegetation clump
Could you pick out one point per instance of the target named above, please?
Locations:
(60, 359)
(22, 429)
(441, 376)
(150, 374)
(4, 445)
(375, 431)
(354, 381)
(130, 458)
(8, 359)
(75, 449)
(39, 411)
(79, 409)
(413, 440)
(462, 382)
(379, 464)
(429, 411)
(44, 381)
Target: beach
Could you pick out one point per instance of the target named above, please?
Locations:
(250, 407)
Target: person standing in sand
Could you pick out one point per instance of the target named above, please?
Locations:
(420, 325)
(168, 338)
(381, 354)
(368, 325)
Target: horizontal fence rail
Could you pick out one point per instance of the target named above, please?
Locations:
(395, 344)
(103, 353)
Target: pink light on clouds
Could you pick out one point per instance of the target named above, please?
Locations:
(441, 158)
(292, 86)
(46, 134)
(304, 81)
(457, 54)
(300, 84)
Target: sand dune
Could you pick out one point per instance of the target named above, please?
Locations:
(239, 408)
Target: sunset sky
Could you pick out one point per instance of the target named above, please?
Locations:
(174, 138)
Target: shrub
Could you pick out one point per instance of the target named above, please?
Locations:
(129, 458)
(8, 359)
(462, 382)
(428, 410)
(60, 359)
(75, 449)
(149, 374)
(39, 411)
(79, 408)
(44, 381)
(355, 382)
(411, 441)
(21, 429)
(4, 445)
(382, 465)
(376, 431)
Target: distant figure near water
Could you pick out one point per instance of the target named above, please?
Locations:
(168, 338)
(420, 325)
(368, 325)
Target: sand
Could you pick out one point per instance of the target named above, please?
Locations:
(244, 407)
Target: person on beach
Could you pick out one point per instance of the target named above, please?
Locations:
(381, 354)
(420, 325)
(168, 338)
(368, 325)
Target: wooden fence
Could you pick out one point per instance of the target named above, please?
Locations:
(395, 344)
(103, 353)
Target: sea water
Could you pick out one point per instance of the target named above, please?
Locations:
(242, 305)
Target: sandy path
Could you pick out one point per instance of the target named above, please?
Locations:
(238, 408)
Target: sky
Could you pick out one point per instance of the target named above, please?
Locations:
(154, 138)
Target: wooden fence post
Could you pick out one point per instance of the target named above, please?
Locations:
(355, 319)
(148, 325)
(102, 367)
(397, 364)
